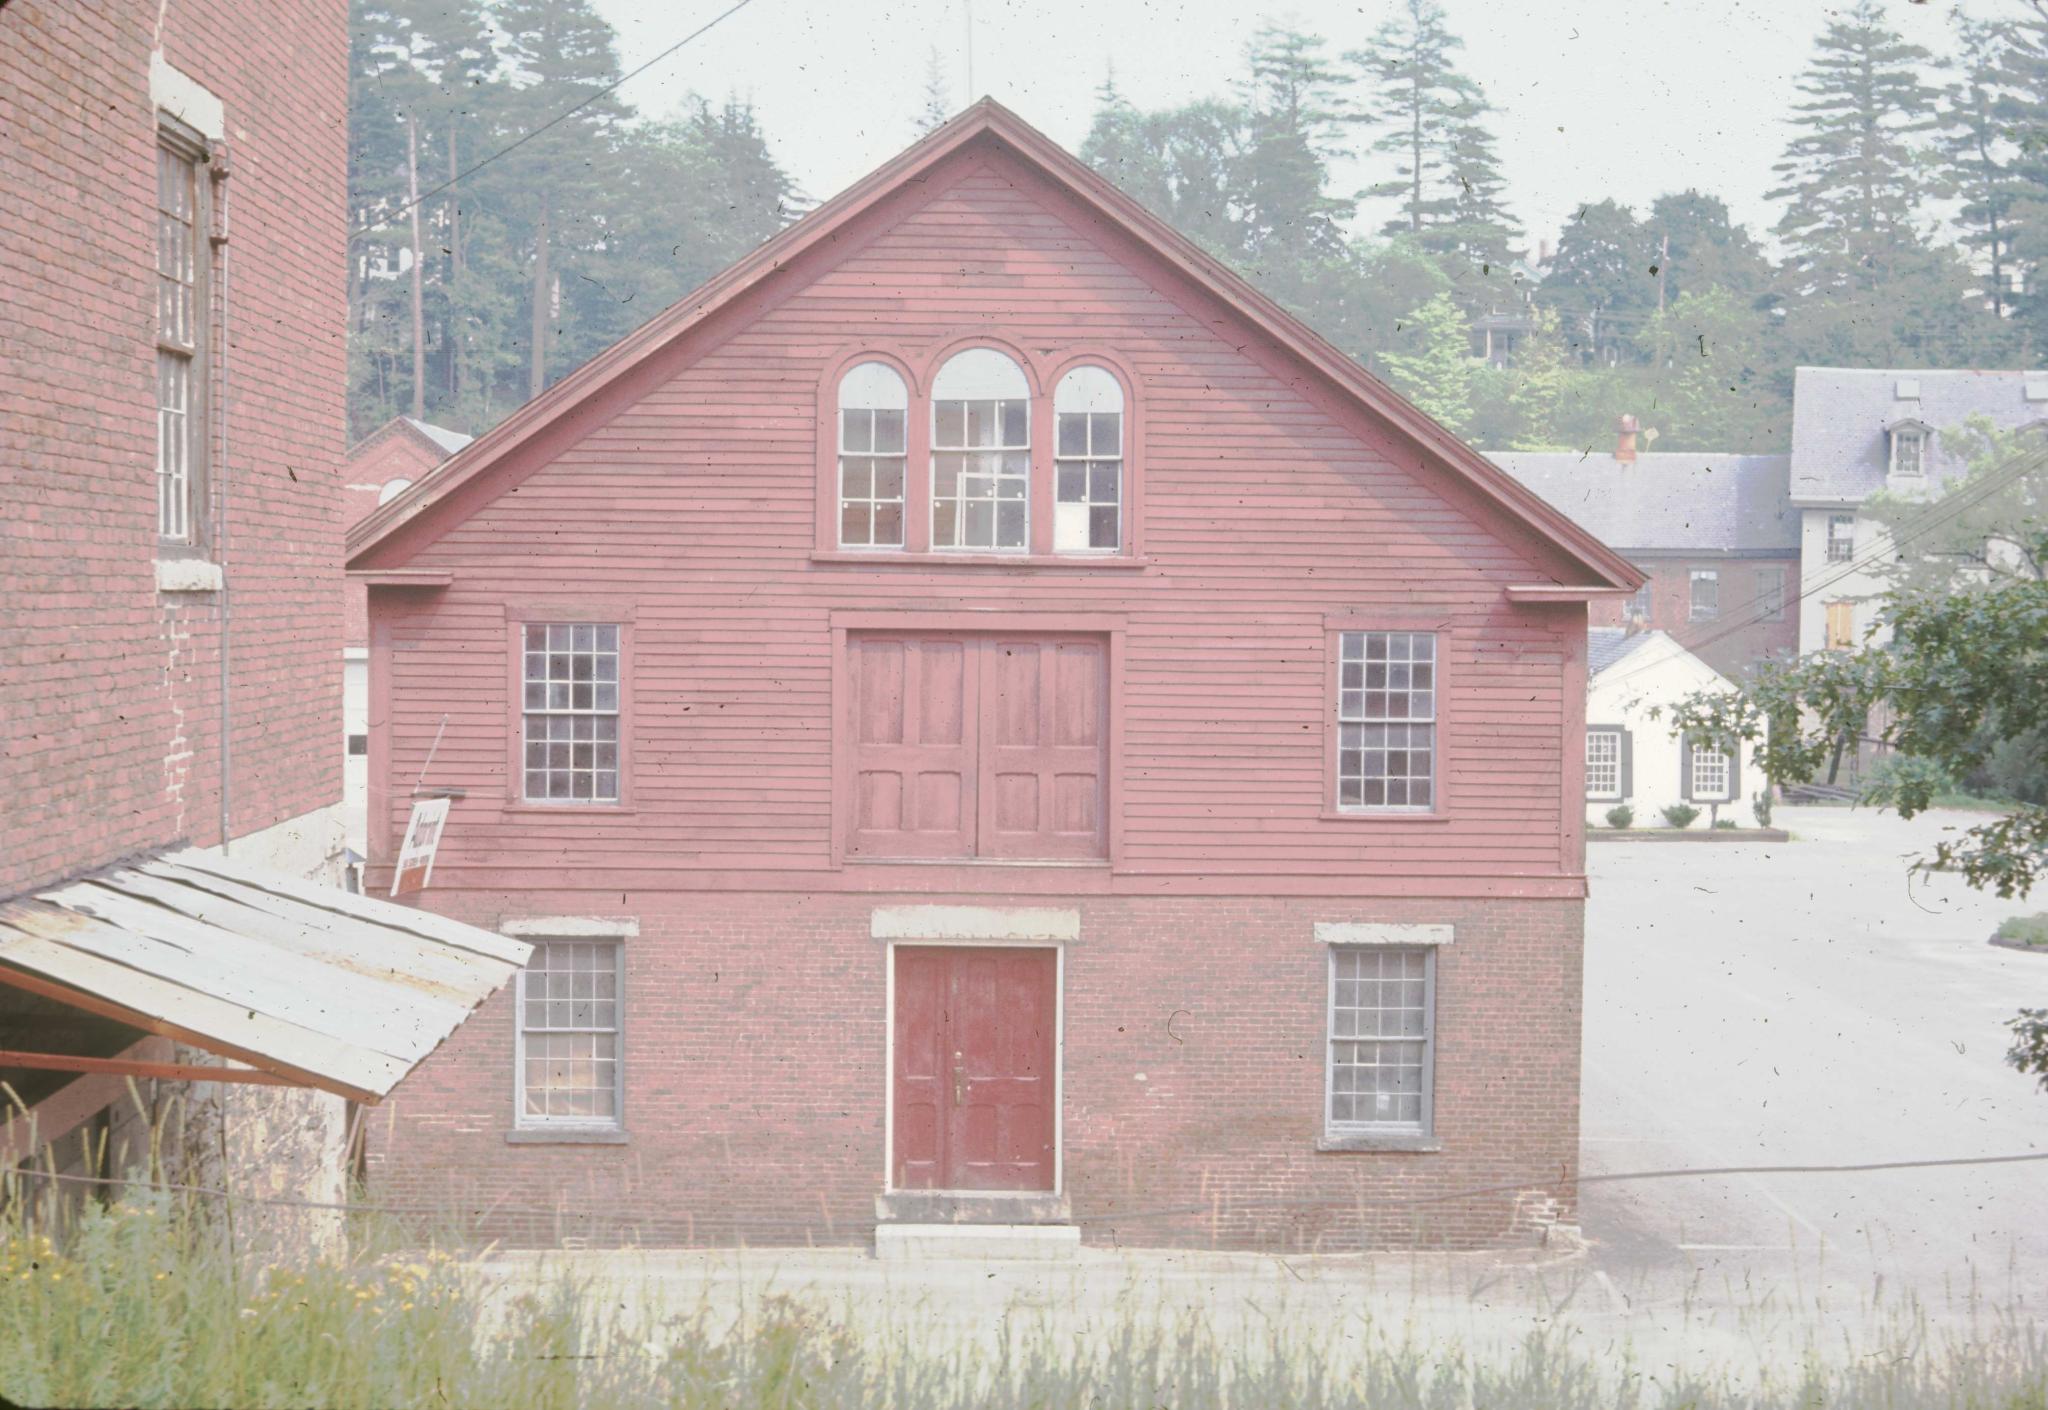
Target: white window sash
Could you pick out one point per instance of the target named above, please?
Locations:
(1426, 1125)
(521, 1118)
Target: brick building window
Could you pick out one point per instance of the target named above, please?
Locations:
(1382, 1038)
(570, 713)
(1386, 721)
(1706, 595)
(569, 1069)
(1640, 603)
(1770, 594)
(183, 335)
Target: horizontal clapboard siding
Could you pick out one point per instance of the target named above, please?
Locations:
(1264, 513)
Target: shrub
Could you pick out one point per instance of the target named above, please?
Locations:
(1725, 825)
(1882, 784)
(1761, 806)
(2028, 930)
(1680, 815)
(1621, 818)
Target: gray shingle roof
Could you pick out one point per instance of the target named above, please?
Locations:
(1840, 415)
(1606, 646)
(1667, 500)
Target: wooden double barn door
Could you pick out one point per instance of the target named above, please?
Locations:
(964, 746)
(975, 1086)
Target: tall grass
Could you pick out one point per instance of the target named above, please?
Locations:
(148, 1301)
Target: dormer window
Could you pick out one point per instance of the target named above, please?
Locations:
(1909, 450)
(981, 453)
(873, 404)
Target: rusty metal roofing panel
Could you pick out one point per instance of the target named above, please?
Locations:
(340, 991)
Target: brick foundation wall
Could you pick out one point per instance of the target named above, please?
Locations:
(755, 1030)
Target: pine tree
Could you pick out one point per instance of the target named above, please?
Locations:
(1432, 120)
(1855, 177)
(1437, 375)
(2021, 112)
(1296, 105)
(1600, 284)
(937, 105)
(1980, 154)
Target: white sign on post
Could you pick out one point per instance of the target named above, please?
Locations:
(422, 837)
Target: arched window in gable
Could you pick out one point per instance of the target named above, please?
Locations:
(981, 453)
(873, 403)
(1088, 459)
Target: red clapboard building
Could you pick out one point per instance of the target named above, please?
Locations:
(986, 718)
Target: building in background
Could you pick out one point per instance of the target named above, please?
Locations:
(174, 181)
(1860, 432)
(1717, 535)
(1635, 759)
(376, 470)
(1053, 744)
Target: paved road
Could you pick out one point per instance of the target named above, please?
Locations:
(1809, 1003)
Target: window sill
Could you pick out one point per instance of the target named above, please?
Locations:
(566, 1136)
(573, 810)
(188, 575)
(1033, 562)
(1095, 863)
(1391, 1141)
(1366, 815)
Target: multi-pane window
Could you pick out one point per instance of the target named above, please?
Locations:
(873, 405)
(571, 713)
(1088, 461)
(569, 1064)
(1381, 1031)
(981, 453)
(1841, 537)
(1706, 595)
(1603, 763)
(1386, 720)
(1770, 594)
(1909, 452)
(180, 340)
(1640, 602)
(1709, 773)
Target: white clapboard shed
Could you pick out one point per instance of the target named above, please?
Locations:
(299, 984)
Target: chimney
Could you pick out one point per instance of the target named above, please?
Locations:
(1625, 440)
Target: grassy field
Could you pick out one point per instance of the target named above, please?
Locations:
(140, 1302)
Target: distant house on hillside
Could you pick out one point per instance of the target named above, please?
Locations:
(1716, 533)
(1634, 759)
(378, 468)
(1856, 432)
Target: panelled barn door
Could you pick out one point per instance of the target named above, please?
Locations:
(966, 746)
(974, 1085)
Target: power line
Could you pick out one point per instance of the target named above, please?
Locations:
(558, 119)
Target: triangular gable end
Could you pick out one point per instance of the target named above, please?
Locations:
(388, 537)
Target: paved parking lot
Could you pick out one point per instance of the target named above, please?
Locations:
(1800, 1003)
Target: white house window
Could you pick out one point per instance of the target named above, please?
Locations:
(873, 405)
(1386, 720)
(1909, 452)
(1709, 774)
(571, 713)
(1603, 763)
(1088, 455)
(981, 453)
(1841, 537)
(1706, 594)
(569, 1070)
(1382, 1021)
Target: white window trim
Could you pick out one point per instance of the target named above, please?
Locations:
(1918, 436)
(1847, 540)
(1692, 600)
(1604, 796)
(1434, 721)
(1380, 1135)
(1700, 794)
(526, 1124)
(1089, 390)
(871, 387)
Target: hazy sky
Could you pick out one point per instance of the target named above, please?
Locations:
(1596, 98)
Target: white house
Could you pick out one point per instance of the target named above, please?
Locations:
(1636, 760)
(1856, 432)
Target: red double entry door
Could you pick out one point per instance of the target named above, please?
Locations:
(976, 1068)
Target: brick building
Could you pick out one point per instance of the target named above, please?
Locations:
(1717, 535)
(172, 371)
(986, 718)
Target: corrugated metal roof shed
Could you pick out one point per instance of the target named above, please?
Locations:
(338, 991)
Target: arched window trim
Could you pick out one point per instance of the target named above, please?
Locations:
(983, 488)
(1131, 511)
(871, 458)
(1920, 434)
(1088, 459)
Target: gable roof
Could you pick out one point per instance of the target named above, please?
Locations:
(377, 535)
(1668, 501)
(438, 441)
(1614, 654)
(1608, 646)
(1840, 454)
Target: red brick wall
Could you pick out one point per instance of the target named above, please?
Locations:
(1730, 643)
(1194, 1035)
(109, 735)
